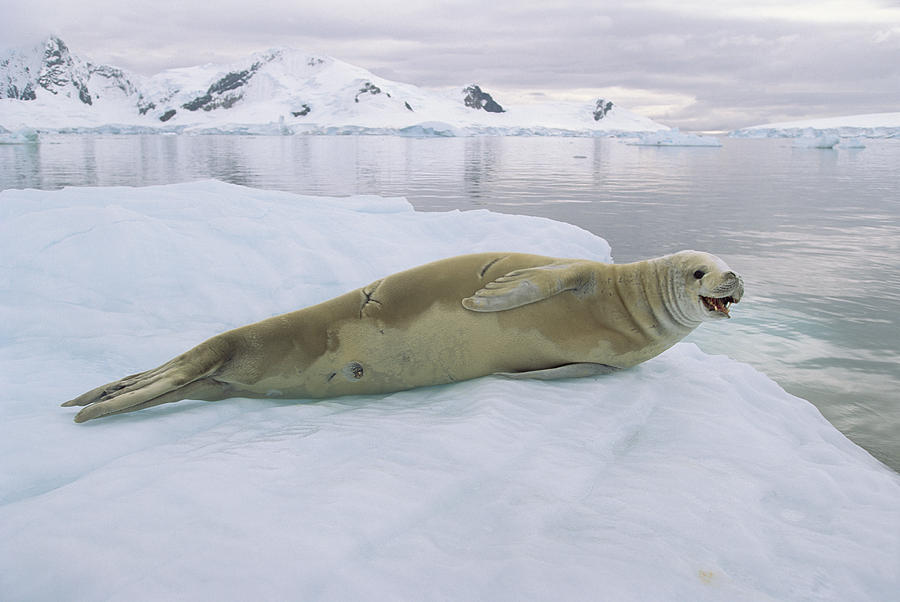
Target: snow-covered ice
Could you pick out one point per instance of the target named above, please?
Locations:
(690, 477)
(674, 137)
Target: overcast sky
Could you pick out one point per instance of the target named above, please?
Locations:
(700, 65)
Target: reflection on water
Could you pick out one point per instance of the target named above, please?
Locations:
(815, 233)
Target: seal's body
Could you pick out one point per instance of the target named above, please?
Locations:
(455, 319)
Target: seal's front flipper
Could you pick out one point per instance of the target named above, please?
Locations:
(530, 285)
(565, 371)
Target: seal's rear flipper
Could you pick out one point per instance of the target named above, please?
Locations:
(565, 371)
(530, 285)
(188, 376)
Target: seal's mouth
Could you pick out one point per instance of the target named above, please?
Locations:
(718, 305)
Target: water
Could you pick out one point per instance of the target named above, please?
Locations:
(815, 233)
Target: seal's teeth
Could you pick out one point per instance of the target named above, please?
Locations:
(717, 304)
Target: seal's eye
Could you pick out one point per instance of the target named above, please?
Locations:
(699, 274)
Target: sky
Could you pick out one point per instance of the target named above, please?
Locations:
(692, 64)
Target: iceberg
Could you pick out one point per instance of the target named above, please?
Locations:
(430, 128)
(689, 477)
(674, 137)
(811, 140)
(21, 136)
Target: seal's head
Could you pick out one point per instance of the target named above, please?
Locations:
(710, 286)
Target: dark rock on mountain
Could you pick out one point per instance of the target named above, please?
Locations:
(478, 99)
(12, 91)
(84, 95)
(167, 115)
(304, 110)
(56, 67)
(368, 88)
(232, 81)
(199, 103)
(601, 108)
(217, 95)
(58, 71)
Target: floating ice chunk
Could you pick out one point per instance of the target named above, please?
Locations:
(823, 141)
(675, 137)
(690, 477)
(430, 129)
(22, 136)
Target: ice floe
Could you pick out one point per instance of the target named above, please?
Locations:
(690, 477)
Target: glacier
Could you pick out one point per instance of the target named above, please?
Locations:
(689, 477)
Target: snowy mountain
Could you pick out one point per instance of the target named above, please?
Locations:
(47, 87)
(51, 70)
(872, 125)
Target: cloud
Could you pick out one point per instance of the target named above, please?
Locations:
(694, 64)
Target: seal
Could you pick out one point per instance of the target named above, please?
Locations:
(519, 315)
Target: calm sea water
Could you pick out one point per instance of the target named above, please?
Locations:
(815, 233)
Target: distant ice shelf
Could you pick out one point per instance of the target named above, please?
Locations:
(430, 129)
(873, 125)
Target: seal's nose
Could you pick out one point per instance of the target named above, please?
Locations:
(738, 286)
